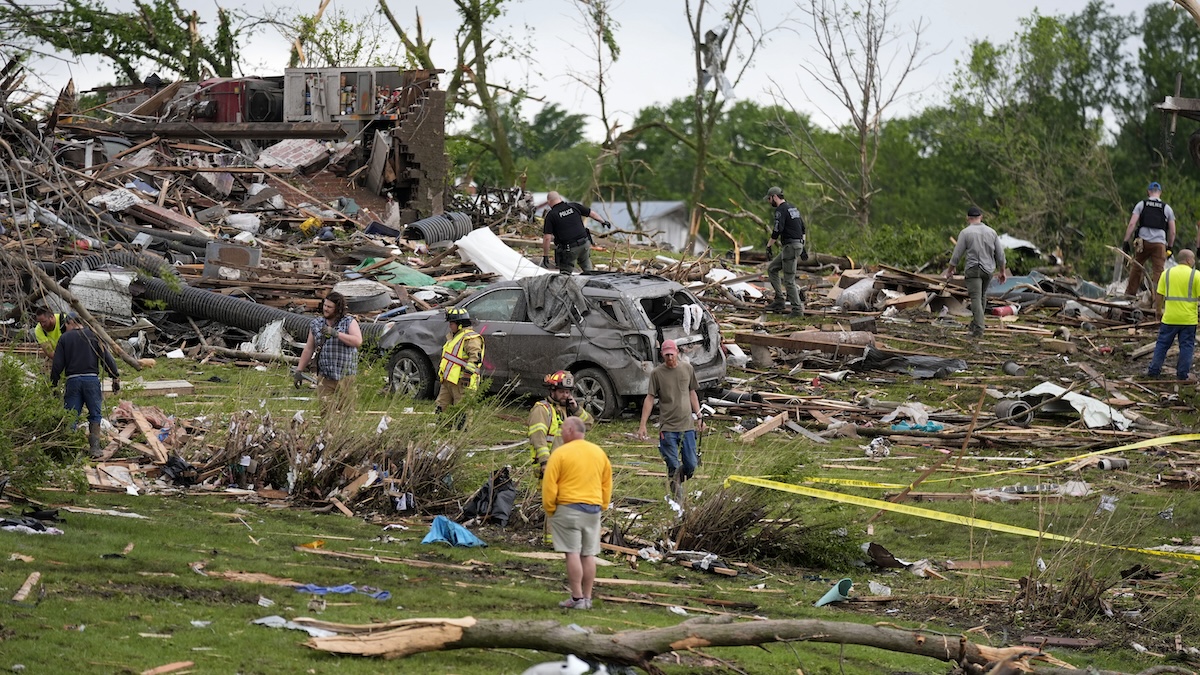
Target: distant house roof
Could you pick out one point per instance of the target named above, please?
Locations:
(619, 215)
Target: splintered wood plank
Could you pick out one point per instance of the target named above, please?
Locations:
(27, 587)
(770, 425)
(160, 453)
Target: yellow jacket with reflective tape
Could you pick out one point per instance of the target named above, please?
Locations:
(1180, 288)
(462, 352)
(545, 425)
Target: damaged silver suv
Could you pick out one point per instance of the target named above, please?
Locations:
(605, 328)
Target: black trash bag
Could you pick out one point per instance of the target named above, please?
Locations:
(179, 472)
(920, 367)
(493, 502)
(16, 521)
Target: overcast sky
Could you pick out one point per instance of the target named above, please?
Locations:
(655, 65)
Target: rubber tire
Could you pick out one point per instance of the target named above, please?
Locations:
(410, 374)
(595, 393)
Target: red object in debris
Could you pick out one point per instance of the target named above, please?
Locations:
(1006, 310)
(82, 245)
(1105, 349)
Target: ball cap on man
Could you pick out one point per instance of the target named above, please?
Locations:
(669, 347)
(774, 192)
(974, 212)
(1154, 187)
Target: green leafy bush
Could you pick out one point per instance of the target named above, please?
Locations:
(36, 444)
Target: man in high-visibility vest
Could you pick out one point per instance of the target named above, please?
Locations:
(462, 357)
(1177, 299)
(547, 415)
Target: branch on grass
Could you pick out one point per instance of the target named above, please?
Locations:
(639, 647)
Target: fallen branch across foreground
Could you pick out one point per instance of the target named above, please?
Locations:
(638, 648)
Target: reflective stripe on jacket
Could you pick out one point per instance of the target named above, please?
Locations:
(455, 359)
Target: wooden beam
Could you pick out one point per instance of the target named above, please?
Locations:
(799, 344)
(770, 425)
(203, 130)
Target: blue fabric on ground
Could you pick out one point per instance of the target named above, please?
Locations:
(344, 589)
(909, 426)
(446, 531)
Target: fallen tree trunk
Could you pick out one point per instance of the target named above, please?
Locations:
(639, 647)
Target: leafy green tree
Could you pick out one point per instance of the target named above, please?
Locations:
(155, 34)
(1031, 108)
(339, 39)
(470, 86)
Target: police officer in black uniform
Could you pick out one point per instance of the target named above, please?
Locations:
(789, 231)
(572, 242)
(1152, 227)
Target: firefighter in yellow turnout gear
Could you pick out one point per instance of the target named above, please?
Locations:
(545, 424)
(462, 358)
(547, 415)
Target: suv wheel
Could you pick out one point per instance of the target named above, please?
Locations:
(596, 393)
(410, 374)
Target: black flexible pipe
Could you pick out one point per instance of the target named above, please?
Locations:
(143, 261)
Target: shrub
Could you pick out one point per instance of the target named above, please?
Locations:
(36, 446)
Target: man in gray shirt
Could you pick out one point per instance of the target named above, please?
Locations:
(984, 255)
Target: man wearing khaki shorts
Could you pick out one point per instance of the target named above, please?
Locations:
(576, 488)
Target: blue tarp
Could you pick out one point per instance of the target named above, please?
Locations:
(446, 531)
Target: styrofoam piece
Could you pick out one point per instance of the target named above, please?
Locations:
(246, 222)
(269, 340)
(104, 292)
(483, 248)
(116, 201)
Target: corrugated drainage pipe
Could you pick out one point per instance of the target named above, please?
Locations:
(201, 304)
(434, 229)
(137, 261)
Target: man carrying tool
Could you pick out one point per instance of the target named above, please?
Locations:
(572, 241)
(333, 342)
(547, 415)
(79, 355)
(462, 357)
(787, 229)
(674, 384)
(1152, 229)
(1178, 294)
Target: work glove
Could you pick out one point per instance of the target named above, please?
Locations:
(572, 407)
(545, 261)
(607, 225)
(297, 378)
(540, 470)
(804, 254)
(770, 251)
(329, 332)
(116, 385)
(1125, 246)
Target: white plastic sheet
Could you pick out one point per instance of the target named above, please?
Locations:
(1095, 413)
(483, 248)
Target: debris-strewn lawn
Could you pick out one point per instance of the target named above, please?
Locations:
(120, 594)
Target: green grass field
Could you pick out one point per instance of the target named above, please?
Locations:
(100, 610)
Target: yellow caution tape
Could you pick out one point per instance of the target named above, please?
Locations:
(1150, 443)
(939, 515)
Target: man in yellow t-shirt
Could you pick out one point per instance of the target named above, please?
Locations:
(576, 489)
(49, 329)
(1177, 298)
